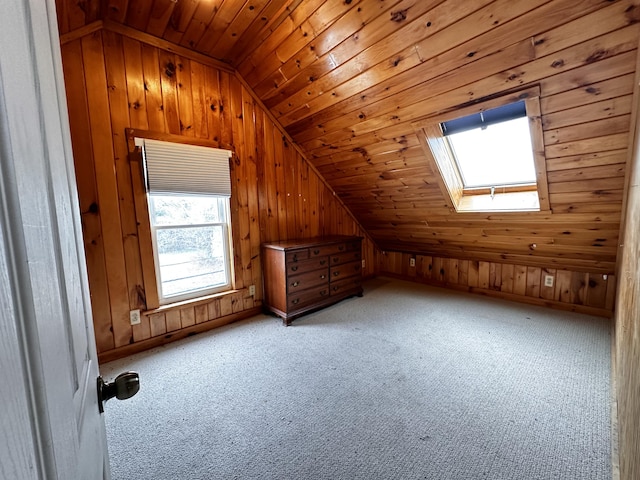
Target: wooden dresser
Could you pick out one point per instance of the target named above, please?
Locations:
(304, 275)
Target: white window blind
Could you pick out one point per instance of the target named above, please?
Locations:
(180, 168)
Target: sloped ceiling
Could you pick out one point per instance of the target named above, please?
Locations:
(347, 79)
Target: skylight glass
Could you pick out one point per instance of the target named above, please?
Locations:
(496, 155)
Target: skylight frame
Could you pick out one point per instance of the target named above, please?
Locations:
(517, 198)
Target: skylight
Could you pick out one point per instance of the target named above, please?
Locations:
(492, 148)
(495, 155)
(489, 156)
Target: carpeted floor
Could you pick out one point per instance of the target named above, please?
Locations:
(407, 382)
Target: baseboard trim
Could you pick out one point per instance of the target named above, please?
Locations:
(169, 337)
(598, 312)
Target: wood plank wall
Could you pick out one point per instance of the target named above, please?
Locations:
(592, 293)
(115, 82)
(627, 321)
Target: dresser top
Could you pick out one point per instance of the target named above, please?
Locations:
(309, 242)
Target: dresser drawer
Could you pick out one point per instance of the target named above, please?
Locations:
(341, 258)
(345, 285)
(345, 270)
(295, 268)
(306, 297)
(307, 280)
(324, 250)
(297, 255)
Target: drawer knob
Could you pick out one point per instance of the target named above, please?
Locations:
(295, 284)
(341, 247)
(336, 259)
(294, 268)
(322, 262)
(323, 277)
(316, 252)
(323, 293)
(335, 289)
(336, 273)
(295, 258)
(295, 302)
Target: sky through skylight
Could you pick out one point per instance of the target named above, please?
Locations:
(500, 154)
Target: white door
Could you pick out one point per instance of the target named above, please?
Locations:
(51, 427)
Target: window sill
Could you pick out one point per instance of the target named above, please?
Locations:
(501, 202)
(190, 302)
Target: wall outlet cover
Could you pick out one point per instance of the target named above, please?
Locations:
(412, 262)
(548, 280)
(134, 317)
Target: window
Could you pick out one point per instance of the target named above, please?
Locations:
(490, 157)
(190, 236)
(188, 190)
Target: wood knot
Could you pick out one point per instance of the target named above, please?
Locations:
(633, 14)
(558, 64)
(360, 150)
(170, 70)
(597, 55)
(399, 15)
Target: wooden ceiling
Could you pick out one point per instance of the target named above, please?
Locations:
(347, 78)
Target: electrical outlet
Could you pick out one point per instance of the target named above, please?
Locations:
(412, 262)
(134, 317)
(363, 263)
(548, 280)
(252, 290)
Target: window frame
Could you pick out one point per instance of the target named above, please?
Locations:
(150, 288)
(474, 200)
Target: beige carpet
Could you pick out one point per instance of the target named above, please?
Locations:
(407, 382)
